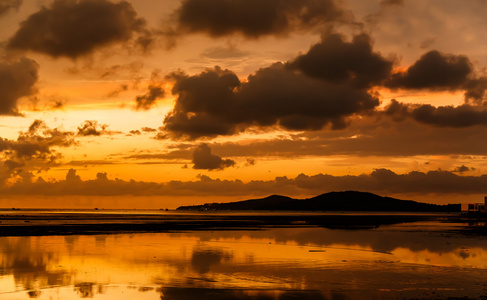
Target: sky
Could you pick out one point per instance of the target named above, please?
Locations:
(161, 103)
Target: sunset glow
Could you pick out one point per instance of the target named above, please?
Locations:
(186, 100)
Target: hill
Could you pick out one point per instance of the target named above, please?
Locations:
(333, 201)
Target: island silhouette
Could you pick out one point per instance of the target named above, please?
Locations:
(332, 201)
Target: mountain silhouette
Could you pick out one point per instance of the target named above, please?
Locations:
(333, 201)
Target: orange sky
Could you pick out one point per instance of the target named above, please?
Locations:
(183, 100)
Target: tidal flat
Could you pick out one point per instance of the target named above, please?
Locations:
(245, 255)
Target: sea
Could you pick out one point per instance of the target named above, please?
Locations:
(149, 254)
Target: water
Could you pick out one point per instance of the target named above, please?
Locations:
(425, 259)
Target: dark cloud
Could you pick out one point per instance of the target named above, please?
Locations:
(321, 88)
(146, 101)
(381, 181)
(442, 116)
(75, 28)
(461, 169)
(204, 159)
(215, 102)
(366, 137)
(475, 90)
(204, 104)
(434, 71)
(33, 149)
(155, 92)
(451, 116)
(252, 18)
(91, 127)
(336, 60)
(6, 5)
(38, 140)
(17, 79)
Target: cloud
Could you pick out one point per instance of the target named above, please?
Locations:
(252, 18)
(382, 181)
(155, 92)
(222, 53)
(75, 28)
(367, 136)
(91, 127)
(135, 132)
(148, 129)
(461, 169)
(33, 149)
(203, 159)
(464, 115)
(17, 80)
(7, 5)
(434, 71)
(392, 2)
(85, 163)
(335, 60)
(146, 101)
(38, 140)
(215, 102)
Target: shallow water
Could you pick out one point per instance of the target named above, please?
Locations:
(410, 260)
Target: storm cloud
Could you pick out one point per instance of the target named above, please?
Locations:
(252, 18)
(74, 28)
(17, 79)
(204, 159)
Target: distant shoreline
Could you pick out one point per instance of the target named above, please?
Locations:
(38, 224)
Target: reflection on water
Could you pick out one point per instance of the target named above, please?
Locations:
(397, 261)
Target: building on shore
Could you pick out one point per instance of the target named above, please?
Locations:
(475, 208)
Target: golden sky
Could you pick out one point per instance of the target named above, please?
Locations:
(180, 100)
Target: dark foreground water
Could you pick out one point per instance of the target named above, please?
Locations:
(427, 258)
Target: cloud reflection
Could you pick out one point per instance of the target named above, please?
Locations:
(278, 263)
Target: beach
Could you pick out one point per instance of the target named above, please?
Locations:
(240, 255)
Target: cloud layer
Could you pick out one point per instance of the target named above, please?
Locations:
(252, 18)
(75, 28)
(34, 149)
(381, 181)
